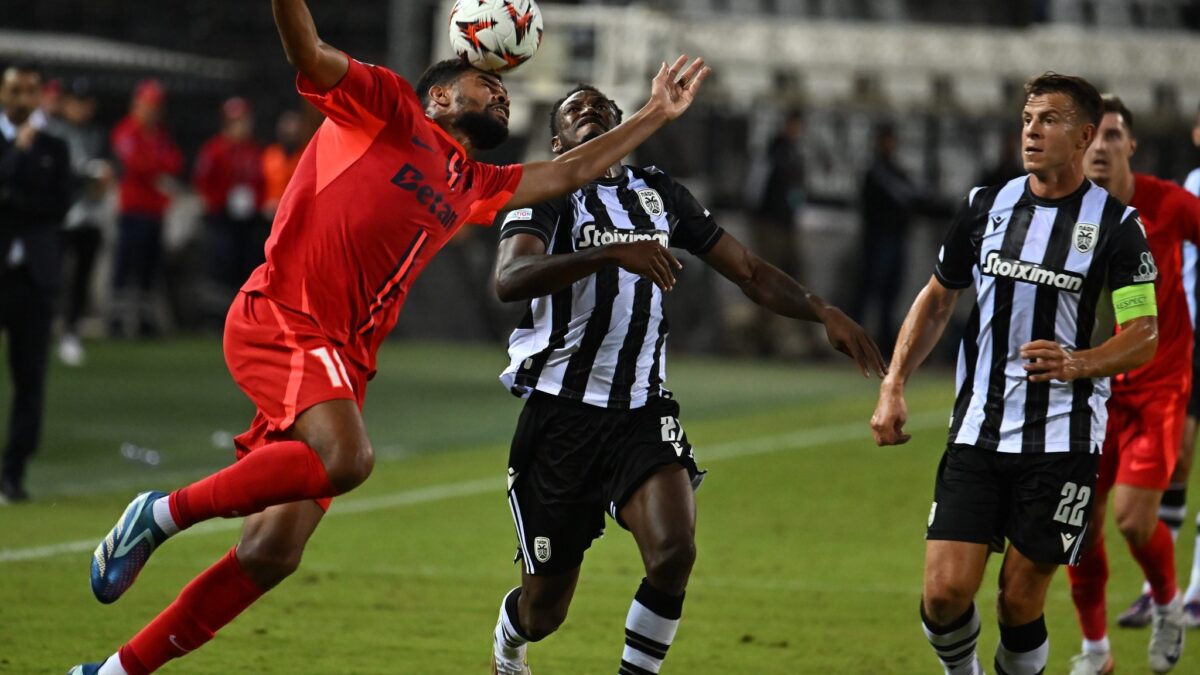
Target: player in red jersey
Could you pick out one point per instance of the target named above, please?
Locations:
(383, 185)
(1146, 410)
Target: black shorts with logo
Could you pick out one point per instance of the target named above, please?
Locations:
(1040, 502)
(571, 462)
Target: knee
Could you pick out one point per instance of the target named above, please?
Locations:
(348, 465)
(1135, 528)
(944, 604)
(539, 622)
(1016, 606)
(267, 565)
(669, 564)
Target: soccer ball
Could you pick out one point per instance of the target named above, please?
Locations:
(495, 35)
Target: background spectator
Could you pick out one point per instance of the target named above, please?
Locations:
(35, 177)
(149, 159)
(281, 157)
(91, 212)
(229, 177)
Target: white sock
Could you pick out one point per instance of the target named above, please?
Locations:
(1193, 591)
(955, 648)
(1161, 609)
(1100, 646)
(162, 516)
(650, 629)
(112, 666)
(507, 641)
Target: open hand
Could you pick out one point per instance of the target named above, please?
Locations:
(648, 259)
(849, 338)
(672, 92)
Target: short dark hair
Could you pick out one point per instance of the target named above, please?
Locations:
(440, 74)
(27, 67)
(1083, 93)
(578, 88)
(1114, 104)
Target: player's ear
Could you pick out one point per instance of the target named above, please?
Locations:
(1132, 146)
(440, 96)
(1089, 135)
(556, 145)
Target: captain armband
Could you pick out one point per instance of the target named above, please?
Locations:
(1132, 302)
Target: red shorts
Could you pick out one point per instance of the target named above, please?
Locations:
(1141, 446)
(284, 363)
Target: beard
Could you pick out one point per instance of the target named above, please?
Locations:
(484, 130)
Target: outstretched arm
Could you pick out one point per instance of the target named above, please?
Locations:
(770, 287)
(921, 330)
(318, 62)
(670, 95)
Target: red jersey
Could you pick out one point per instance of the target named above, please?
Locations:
(1171, 216)
(378, 191)
(229, 175)
(145, 156)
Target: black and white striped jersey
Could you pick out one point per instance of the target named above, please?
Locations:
(603, 340)
(1041, 271)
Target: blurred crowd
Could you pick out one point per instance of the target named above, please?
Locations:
(123, 185)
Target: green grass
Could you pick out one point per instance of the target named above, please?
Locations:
(810, 538)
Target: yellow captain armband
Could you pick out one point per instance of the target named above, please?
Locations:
(1134, 301)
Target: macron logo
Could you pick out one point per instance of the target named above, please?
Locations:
(1032, 273)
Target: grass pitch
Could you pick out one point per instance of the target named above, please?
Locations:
(810, 538)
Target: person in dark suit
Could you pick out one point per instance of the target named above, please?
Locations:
(35, 192)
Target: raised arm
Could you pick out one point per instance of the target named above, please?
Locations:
(772, 288)
(922, 329)
(670, 95)
(320, 63)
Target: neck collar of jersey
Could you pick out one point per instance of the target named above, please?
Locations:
(446, 135)
(1041, 201)
(620, 178)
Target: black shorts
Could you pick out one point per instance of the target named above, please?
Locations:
(1040, 502)
(571, 463)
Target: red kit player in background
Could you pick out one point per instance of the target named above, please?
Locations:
(1145, 413)
(383, 185)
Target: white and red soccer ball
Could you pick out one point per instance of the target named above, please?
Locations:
(495, 35)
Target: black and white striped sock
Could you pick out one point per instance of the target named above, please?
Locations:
(649, 629)
(509, 638)
(1173, 508)
(954, 643)
(1023, 650)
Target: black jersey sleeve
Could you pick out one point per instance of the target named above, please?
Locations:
(958, 255)
(539, 220)
(692, 226)
(1130, 261)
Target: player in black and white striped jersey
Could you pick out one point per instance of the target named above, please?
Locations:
(599, 432)
(1029, 419)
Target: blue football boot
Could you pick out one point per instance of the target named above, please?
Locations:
(85, 669)
(124, 552)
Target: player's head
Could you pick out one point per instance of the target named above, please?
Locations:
(468, 99)
(147, 104)
(1058, 122)
(20, 91)
(583, 114)
(237, 118)
(1107, 158)
(1196, 130)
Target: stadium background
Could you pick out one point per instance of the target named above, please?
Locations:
(810, 538)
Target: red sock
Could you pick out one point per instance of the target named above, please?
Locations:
(279, 473)
(1157, 559)
(205, 605)
(1088, 579)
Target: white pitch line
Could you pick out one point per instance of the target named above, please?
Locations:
(794, 440)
